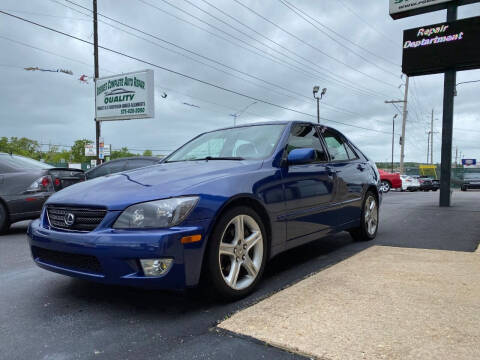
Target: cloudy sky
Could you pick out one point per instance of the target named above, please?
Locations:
(351, 47)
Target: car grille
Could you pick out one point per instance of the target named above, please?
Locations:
(75, 219)
(79, 262)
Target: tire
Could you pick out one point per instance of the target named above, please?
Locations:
(463, 188)
(434, 189)
(4, 221)
(234, 272)
(366, 231)
(385, 186)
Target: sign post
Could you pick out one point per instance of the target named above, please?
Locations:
(440, 48)
(447, 123)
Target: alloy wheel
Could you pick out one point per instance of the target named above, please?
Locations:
(384, 187)
(241, 252)
(371, 215)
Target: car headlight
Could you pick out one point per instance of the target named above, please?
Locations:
(156, 214)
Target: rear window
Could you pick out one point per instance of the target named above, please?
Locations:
(19, 162)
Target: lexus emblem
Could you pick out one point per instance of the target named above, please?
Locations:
(69, 219)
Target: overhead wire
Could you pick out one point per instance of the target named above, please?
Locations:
(305, 16)
(327, 72)
(311, 46)
(185, 75)
(275, 86)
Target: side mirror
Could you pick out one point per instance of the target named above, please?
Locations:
(301, 156)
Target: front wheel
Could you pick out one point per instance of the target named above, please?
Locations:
(237, 253)
(369, 219)
(385, 186)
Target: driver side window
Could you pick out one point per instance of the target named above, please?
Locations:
(306, 136)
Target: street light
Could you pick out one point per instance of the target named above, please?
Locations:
(316, 89)
(238, 114)
(393, 136)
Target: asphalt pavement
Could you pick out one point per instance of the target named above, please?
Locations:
(49, 316)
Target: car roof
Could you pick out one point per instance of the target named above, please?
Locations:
(278, 122)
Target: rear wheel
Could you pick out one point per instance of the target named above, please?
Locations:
(385, 186)
(369, 219)
(464, 188)
(4, 220)
(237, 253)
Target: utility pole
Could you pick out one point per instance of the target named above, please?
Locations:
(393, 136)
(428, 147)
(431, 141)
(95, 56)
(404, 123)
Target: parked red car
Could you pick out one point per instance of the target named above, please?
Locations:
(389, 181)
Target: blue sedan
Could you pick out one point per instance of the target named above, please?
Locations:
(219, 208)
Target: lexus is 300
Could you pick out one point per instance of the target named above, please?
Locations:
(217, 209)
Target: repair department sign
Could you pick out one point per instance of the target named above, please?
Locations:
(403, 8)
(125, 96)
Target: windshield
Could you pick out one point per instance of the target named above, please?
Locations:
(20, 162)
(249, 142)
(472, 176)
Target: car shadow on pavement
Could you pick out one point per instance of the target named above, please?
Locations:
(282, 271)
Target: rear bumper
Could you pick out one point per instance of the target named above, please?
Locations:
(112, 256)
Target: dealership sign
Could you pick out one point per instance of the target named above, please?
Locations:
(125, 96)
(90, 150)
(403, 8)
(435, 48)
(469, 162)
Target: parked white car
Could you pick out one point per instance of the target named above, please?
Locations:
(409, 183)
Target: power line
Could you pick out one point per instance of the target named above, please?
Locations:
(275, 86)
(311, 46)
(302, 14)
(343, 82)
(378, 32)
(42, 14)
(185, 75)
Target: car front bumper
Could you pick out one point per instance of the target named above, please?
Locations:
(113, 256)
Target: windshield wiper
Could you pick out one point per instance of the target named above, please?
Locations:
(209, 158)
(220, 158)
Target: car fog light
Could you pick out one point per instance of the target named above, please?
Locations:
(155, 267)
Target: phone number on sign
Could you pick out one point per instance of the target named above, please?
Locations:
(132, 111)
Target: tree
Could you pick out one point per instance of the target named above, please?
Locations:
(78, 150)
(20, 146)
(123, 152)
(147, 153)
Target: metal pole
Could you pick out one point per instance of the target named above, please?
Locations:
(393, 139)
(447, 123)
(404, 123)
(431, 141)
(95, 56)
(318, 110)
(428, 147)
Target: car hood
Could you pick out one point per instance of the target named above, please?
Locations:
(118, 191)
